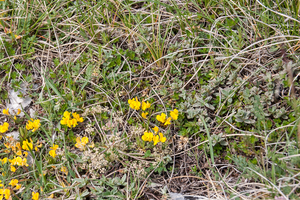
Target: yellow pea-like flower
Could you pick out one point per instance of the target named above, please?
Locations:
(27, 145)
(13, 182)
(134, 103)
(54, 147)
(168, 121)
(161, 118)
(52, 153)
(12, 168)
(7, 193)
(147, 136)
(19, 111)
(155, 139)
(84, 140)
(77, 117)
(35, 195)
(162, 138)
(5, 111)
(18, 186)
(145, 105)
(144, 115)
(174, 114)
(33, 124)
(4, 127)
(155, 129)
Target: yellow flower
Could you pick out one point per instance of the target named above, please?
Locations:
(161, 118)
(36, 124)
(147, 136)
(155, 129)
(84, 140)
(19, 161)
(37, 147)
(52, 153)
(35, 195)
(155, 139)
(64, 170)
(168, 121)
(24, 162)
(77, 117)
(19, 111)
(54, 147)
(174, 114)
(145, 105)
(134, 103)
(18, 186)
(13, 161)
(7, 193)
(15, 118)
(81, 143)
(12, 168)
(4, 127)
(162, 138)
(144, 115)
(27, 145)
(78, 143)
(13, 182)
(18, 145)
(67, 114)
(19, 153)
(64, 121)
(25, 153)
(5, 112)
(70, 123)
(4, 160)
(33, 124)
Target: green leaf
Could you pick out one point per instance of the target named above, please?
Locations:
(147, 154)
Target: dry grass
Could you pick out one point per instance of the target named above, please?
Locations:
(230, 68)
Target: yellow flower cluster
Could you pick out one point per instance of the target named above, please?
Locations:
(80, 143)
(166, 121)
(4, 193)
(33, 124)
(136, 105)
(145, 105)
(67, 120)
(149, 136)
(17, 148)
(19, 158)
(4, 127)
(27, 145)
(15, 183)
(53, 151)
(17, 161)
(14, 146)
(6, 112)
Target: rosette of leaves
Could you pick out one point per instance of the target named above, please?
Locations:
(243, 116)
(196, 105)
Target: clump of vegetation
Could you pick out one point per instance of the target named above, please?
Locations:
(139, 99)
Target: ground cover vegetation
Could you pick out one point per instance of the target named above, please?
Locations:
(147, 99)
